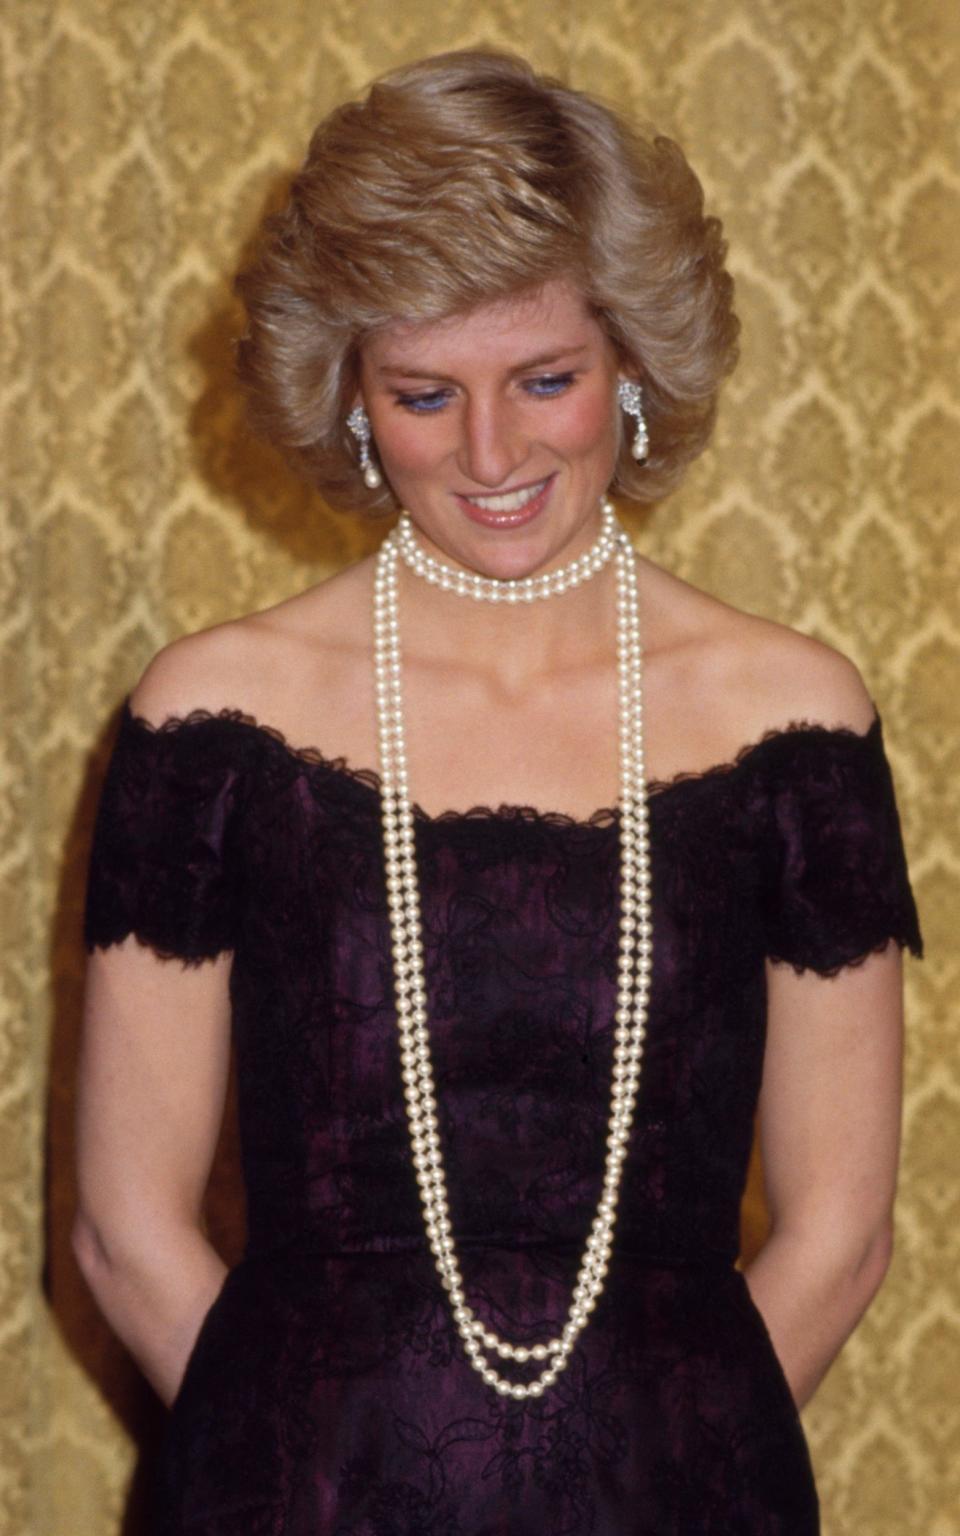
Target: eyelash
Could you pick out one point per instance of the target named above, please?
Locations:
(425, 405)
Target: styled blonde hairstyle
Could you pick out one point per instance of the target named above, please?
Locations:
(466, 178)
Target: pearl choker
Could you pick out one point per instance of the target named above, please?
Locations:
(634, 967)
(488, 588)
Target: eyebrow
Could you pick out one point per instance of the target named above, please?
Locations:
(543, 360)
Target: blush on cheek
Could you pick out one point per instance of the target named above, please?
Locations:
(408, 444)
(587, 420)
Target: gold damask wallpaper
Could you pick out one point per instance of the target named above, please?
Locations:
(140, 141)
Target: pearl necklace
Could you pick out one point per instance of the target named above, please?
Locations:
(488, 589)
(634, 967)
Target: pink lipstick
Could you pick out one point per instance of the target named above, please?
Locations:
(501, 511)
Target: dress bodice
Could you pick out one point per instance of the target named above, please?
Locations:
(214, 833)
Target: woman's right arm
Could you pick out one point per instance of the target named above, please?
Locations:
(155, 1049)
(153, 1074)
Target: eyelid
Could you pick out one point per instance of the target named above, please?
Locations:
(560, 381)
(429, 400)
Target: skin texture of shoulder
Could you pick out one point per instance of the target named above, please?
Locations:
(716, 680)
(734, 675)
(261, 662)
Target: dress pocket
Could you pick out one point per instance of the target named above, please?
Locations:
(765, 1347)
(207, 1325)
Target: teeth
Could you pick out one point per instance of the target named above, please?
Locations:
(512, 502)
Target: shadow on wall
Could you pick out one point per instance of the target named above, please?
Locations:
(247, 472)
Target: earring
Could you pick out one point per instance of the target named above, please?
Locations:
(359, 423)
(630, 397)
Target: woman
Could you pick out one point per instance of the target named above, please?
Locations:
(493, 1155)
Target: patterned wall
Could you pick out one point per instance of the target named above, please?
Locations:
(139, 143)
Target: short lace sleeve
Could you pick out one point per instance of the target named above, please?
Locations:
(838, 887)
(163, 863)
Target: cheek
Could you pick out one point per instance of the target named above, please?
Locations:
(587, 422)
(409, 444)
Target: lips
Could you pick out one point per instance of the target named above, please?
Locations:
(507, 501)
(507, 509)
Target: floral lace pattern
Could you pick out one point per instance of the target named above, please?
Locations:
(327, 1393)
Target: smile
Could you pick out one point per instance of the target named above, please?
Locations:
(507, 501)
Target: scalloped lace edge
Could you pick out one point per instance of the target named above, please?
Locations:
(604, 816)
(903, 941)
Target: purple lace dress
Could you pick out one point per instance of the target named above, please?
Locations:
(327, 1393)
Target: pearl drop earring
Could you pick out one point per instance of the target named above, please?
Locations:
(359, 423)
(630, 397)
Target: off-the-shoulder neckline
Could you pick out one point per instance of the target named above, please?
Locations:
(370, 779)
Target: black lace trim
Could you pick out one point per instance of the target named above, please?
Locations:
(903, 938)
(605, 816)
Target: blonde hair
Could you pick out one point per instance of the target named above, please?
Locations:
(466, 178)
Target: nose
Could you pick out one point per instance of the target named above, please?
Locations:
(493, 443)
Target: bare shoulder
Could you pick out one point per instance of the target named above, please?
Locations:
(726, 677)
(262, 663)
(789, 677)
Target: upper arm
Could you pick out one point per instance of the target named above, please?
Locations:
(152, 1078)
(160, 923)
(830, 1102)
(831, 1094)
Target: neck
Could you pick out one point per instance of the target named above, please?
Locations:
(512, 644)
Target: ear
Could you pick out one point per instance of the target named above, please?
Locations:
(352, 376)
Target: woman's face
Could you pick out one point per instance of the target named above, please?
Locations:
(498, 430)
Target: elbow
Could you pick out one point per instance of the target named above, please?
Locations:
(111, 1248)
(101, 1250)
(88, 1247)
(874, 1260)
(850, 1254)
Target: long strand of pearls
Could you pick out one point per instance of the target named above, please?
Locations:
(633, 984)
(527, 588)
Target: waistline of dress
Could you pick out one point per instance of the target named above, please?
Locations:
(407, 1248)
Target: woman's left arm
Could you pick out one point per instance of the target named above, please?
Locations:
(830, 1109)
